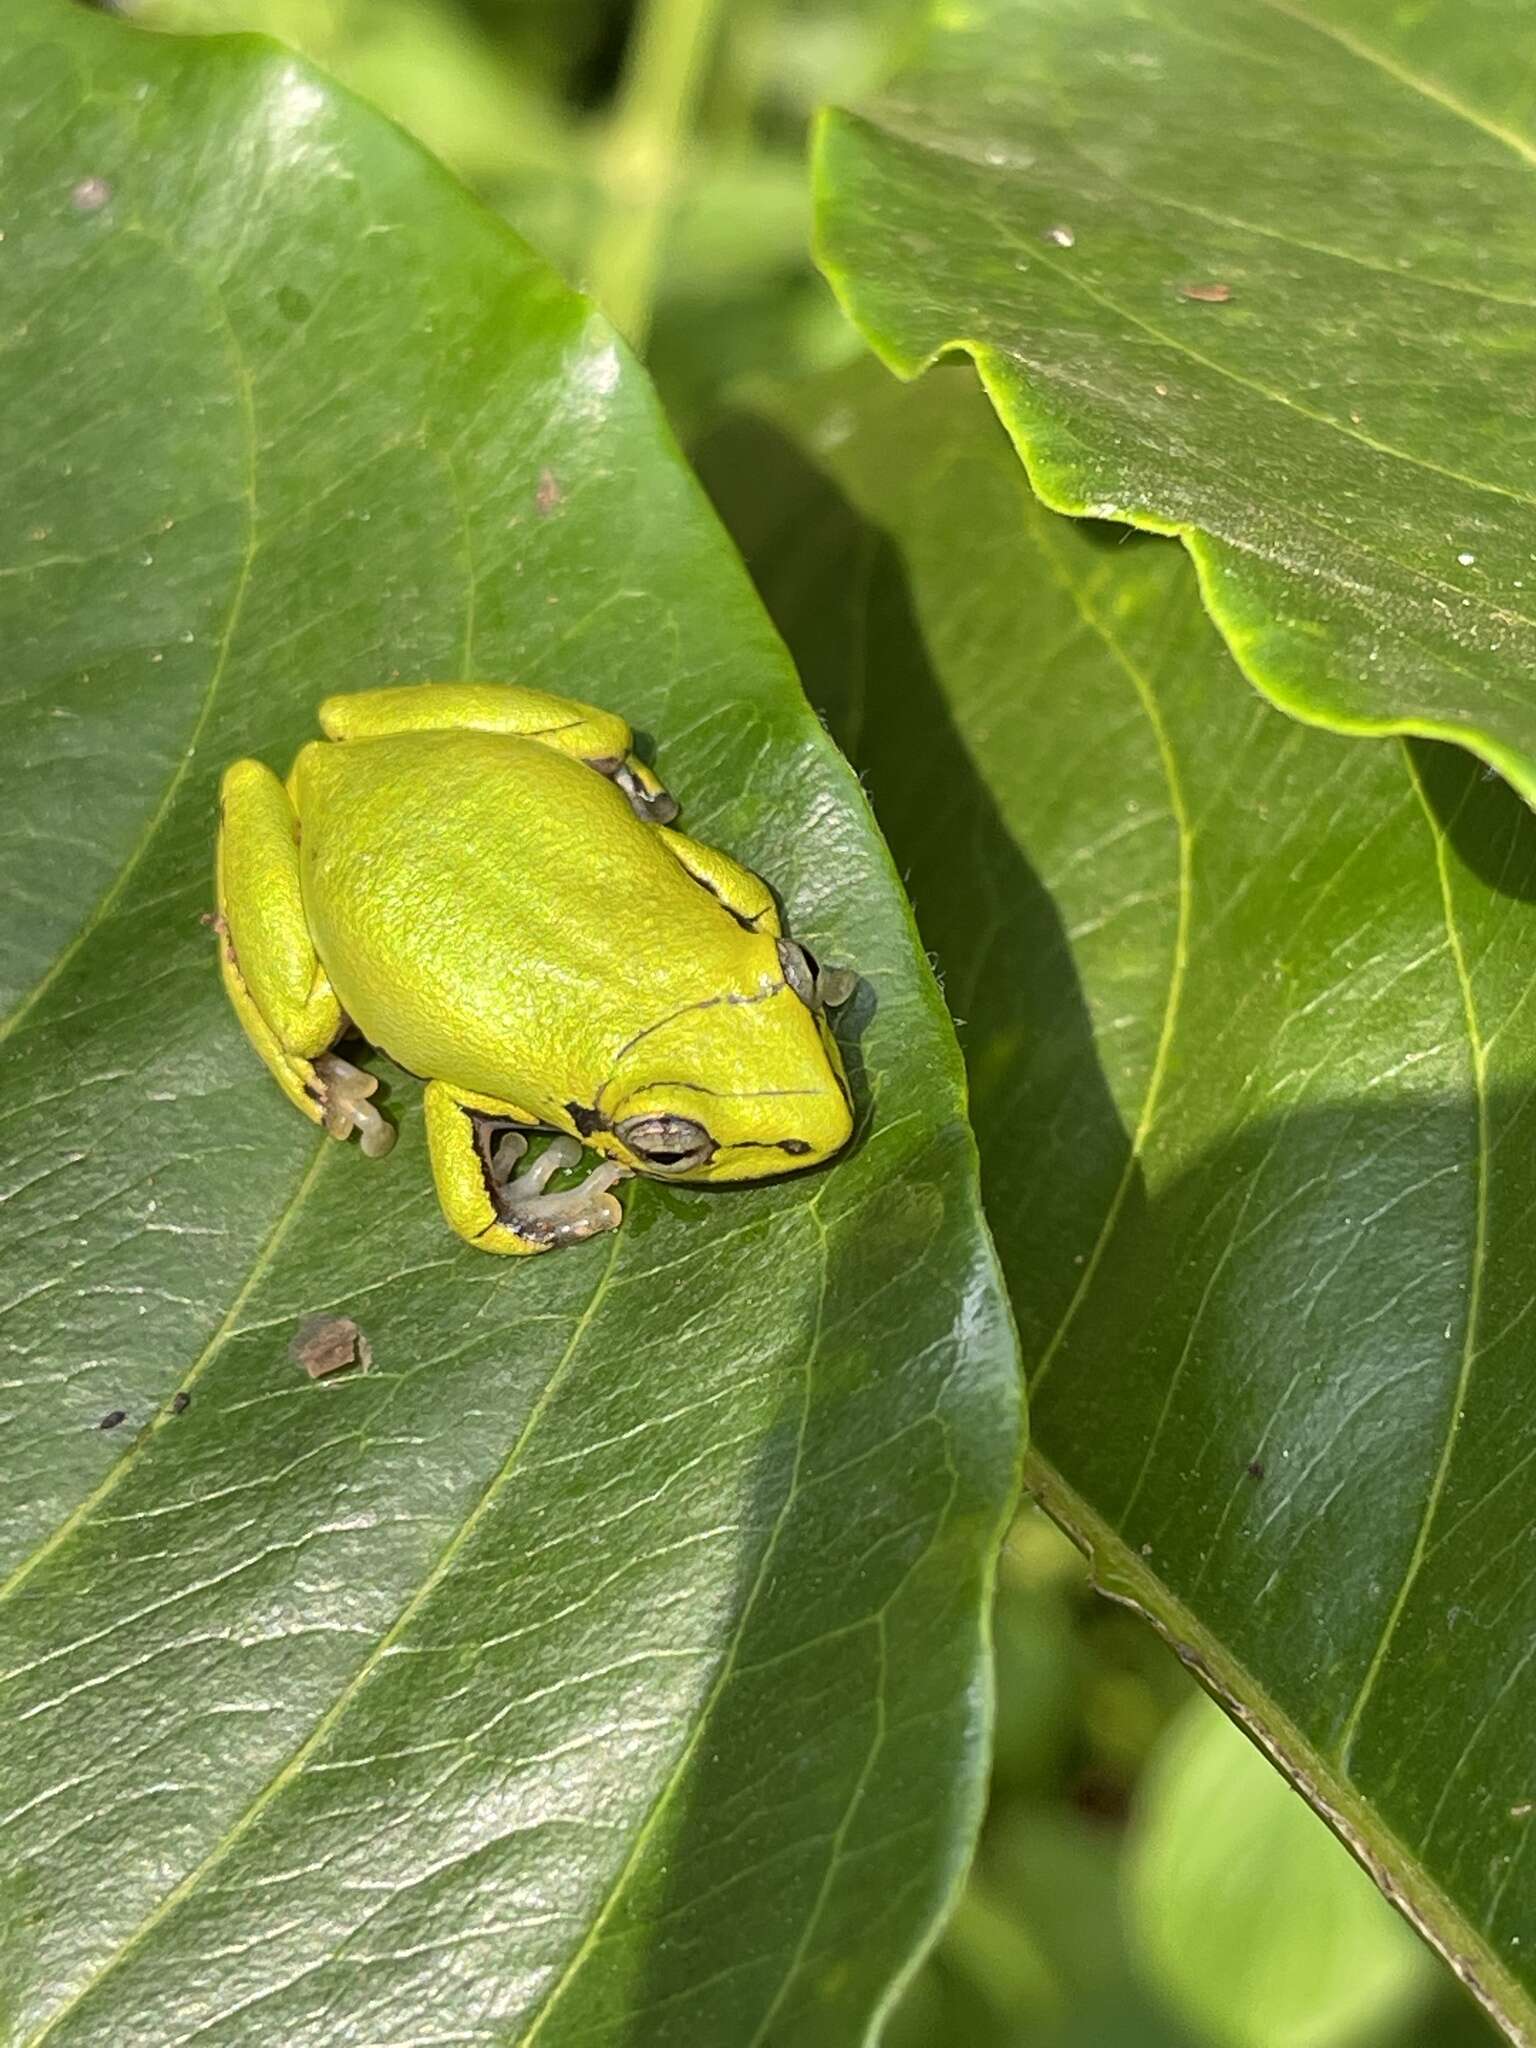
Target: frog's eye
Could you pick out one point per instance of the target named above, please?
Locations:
(800, 971)
(674, 1142)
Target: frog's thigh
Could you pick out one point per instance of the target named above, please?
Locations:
(272, 975)
(601, 738)
(477, 707)
(745, 895)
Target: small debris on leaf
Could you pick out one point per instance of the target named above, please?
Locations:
(1161, 390)
(112, 1418)
(181, 1402)
(1522, 1809)
(549, 493)
(327, 1344)
(1255, 1468)
(90, 195)
(1208, 294)
(1063, 237)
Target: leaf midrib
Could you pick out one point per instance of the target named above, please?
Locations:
(935, 145)
(118, 1472)
(1146, 698)
(1477, 1260)
(1477, 1265)
(298, 1757)
(1416, 82)
(1396, 1867)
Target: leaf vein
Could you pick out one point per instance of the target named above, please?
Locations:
(1469, 1346)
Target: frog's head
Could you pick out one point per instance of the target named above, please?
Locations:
(738, 1086)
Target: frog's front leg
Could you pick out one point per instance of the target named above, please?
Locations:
(272, 974)
(474, 1161)
(600, 738)
(746, 896)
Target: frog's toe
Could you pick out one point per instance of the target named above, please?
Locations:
(508, 1149)
(568, 1216)
(345, 1107)
(651, 804)
(560, 1153)
(834, 986)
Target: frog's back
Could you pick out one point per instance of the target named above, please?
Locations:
(491, 912)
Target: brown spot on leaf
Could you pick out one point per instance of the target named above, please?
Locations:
(549, 495)
(327, 1344)
(1208, 294)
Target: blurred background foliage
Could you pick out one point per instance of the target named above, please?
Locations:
(608, 160)
(1145, 1878)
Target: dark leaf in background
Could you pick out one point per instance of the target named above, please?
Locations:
(1248, 1018)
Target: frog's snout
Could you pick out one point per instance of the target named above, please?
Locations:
(743, 1135)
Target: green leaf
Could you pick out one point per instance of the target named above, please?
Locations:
(606, 1661)
(1248, 1017)
(1249, 1912)
(1345, 444)
(423, 64)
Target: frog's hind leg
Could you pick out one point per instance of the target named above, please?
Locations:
(476, 1146)
(746, 896)
(272, 974)
(600, 738)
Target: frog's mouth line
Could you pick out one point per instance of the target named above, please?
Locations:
(661, 1166)
(797, 1148)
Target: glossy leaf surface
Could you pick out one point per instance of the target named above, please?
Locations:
(1254, 272)
(1247, 1012)
(606, 1661)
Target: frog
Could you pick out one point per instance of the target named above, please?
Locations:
(483, 881)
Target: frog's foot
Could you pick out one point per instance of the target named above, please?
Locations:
(477, 1148)
(345, 1107)
(569, 1215)
(651, 804)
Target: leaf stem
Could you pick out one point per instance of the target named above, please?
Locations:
(668, 55)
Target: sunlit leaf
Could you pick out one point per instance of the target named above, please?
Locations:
(1258, 273)
(606, 1660)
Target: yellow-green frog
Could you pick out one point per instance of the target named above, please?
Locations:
(481, 880)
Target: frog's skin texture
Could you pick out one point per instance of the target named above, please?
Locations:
(480, 880)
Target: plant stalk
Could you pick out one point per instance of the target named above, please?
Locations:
(670, 47)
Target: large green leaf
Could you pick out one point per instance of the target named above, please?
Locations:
(1247, 1912)
(1346, 443)
(606, 1662)
(1248, 1017)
